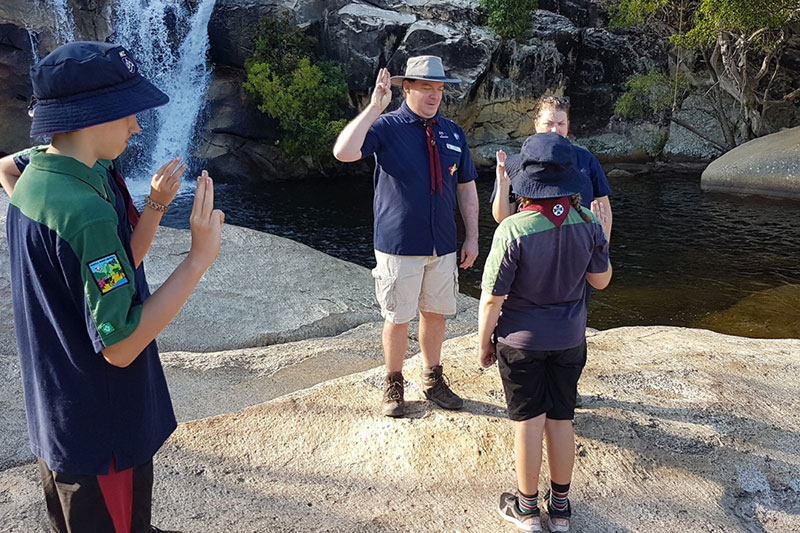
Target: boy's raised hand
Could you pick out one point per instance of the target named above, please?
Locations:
(166, 182)
(205, 222)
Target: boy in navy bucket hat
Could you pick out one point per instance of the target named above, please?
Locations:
(536, 274)
(96, 398)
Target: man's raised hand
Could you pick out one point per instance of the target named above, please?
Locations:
(205, 222)
(382, 94)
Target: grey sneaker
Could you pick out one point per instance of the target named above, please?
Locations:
(559, 520)
(393, 403)
(509, 511)
(437, 390)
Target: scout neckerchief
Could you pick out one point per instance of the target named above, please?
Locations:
(133, 213)
(433, 155)
(555, 209)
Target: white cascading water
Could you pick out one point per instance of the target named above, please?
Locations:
(170, 44)
(63, 23)
(34, 45)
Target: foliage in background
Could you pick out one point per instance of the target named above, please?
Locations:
(741, 43)
(306, 96)
(510, 19)
(649, 94)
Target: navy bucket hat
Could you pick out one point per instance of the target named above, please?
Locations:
(87, 83)
(546, 167)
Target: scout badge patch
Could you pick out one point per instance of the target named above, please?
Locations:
(108, 273)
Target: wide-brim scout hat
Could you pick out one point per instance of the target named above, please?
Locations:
(546, 167)
(87, 83)
(428, 68)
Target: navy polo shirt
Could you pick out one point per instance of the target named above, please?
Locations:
(595, 184)
(542, 269)
(75, 291)
(409, 220)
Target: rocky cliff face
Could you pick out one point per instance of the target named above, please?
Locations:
(567, 50)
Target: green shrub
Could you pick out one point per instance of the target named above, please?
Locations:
(510, 19)
(306, 96)
(652, 93)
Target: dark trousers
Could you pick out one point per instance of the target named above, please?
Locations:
(77, 504)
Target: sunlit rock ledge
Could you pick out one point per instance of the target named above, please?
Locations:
(682, 430)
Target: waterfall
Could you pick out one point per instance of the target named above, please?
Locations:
(63, 23)
(34, 45)
(170, 43)
(169, 39)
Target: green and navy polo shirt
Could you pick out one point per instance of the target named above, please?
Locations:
(542, 268)
(75, 291)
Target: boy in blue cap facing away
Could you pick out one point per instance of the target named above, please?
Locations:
(537, 272)
(96, 398)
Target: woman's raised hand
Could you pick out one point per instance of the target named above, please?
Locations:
(502, 176)
(603, 215)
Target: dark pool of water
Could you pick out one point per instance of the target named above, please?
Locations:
(678, 254)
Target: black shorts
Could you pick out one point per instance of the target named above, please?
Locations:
(78, 503)
(538, 382)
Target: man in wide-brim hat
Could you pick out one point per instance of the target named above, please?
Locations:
(423, 169)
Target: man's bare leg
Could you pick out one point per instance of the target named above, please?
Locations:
(395, 345)
(431, 337)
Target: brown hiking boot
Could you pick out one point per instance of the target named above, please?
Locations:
(437, 390)
(393, 403)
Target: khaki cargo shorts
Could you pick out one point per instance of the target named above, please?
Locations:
(405, 283)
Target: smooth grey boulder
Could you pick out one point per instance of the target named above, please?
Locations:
(262, 290)
(767, 166)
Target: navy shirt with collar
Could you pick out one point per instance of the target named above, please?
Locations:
(595, 184)
(409, 220)
(75, 292)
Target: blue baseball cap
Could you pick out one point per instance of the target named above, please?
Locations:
(546, 167)
(87, 83)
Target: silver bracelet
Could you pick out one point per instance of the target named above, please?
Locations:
(152, 204)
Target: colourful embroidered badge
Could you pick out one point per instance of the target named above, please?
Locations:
(108, 273)
(453, 169)
(107, 328)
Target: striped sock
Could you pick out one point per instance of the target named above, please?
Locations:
(528, 504)
(559, 496)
